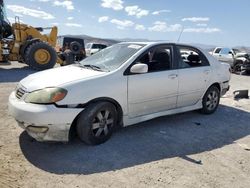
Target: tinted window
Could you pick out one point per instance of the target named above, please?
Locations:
(67, 41)
(191, 57)
(157, 59)
(217, 50)
(98, 46)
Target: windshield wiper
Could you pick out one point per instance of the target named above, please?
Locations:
(94, 67)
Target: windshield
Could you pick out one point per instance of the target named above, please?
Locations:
(112, 57)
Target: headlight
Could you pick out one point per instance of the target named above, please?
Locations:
(46, 96)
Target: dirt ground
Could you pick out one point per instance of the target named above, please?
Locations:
(185, 150)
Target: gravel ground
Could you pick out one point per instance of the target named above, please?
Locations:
(185, 150)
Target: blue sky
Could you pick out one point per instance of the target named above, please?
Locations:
(215, 22)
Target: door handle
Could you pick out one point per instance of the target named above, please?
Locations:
(173, 76)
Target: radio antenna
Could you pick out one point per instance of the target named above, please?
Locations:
(179, 38)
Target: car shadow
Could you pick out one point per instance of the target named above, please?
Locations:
(14, 74)
(162, 138)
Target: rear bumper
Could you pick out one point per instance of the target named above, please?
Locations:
(225, 87)
(43, 122)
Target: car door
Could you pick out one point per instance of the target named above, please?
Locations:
(216, 53)
(226, 55)
(194, 75)
(156, 90)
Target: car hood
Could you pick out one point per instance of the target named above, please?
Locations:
(57, 76)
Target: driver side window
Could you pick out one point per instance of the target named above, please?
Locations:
(157, 59)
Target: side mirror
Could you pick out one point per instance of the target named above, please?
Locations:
(139, 68)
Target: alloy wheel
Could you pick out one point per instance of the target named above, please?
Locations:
(212, 100)
(102, 123)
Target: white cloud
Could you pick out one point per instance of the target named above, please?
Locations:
(73, 25)
(201, 25)
(30, 12)
(114, 4)
(163, 27)
(70, 18)
(44, 0)
(103, 19)
(160, 11)
(122, 24)
(54, 24)
(139, 27)
(202, 30)
(68, 4)
(196, 19)
(136, 11)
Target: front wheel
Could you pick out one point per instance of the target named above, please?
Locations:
(210, 100)
(96, 123)
(237, 68)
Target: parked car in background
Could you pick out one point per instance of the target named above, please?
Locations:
(225, 54)
(242, 63)
(238, 60)
(124, 84)
(70, 49)
(92, 48)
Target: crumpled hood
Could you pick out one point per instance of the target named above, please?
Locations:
(57, 76)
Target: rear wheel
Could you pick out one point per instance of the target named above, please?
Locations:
(237, 67)
(40, 56)
(96, 123)
(210, 100)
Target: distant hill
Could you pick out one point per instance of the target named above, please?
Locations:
(89, 39)
(109, 42)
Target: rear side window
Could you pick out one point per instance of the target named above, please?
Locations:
(217, 50)
(98, 46)
(191, 57)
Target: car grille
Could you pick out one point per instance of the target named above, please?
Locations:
(20, 92)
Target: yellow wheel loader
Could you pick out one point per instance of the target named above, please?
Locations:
(26, 44)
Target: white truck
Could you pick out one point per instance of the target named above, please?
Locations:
(238, 60)
(226, 54)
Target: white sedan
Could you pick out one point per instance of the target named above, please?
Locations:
(123, 84)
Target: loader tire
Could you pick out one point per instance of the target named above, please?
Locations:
(24, 47)
(40, 56)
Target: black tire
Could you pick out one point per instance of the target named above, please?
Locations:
(210, 100)
(237, 68)
(49, 61)
(75, 47)
(96, 123)
(25, 46)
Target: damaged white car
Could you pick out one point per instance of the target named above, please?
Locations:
(121, 85)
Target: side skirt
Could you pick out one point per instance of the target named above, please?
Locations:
(130, 121)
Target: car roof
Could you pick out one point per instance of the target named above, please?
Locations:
(151, 43)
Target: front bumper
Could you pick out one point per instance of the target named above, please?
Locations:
(43, 122)
(245, 67)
